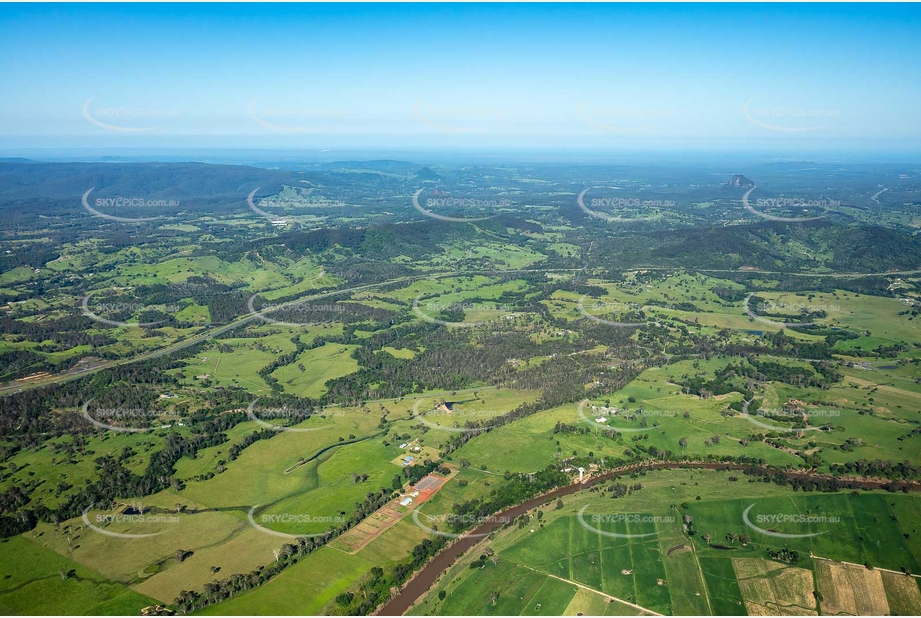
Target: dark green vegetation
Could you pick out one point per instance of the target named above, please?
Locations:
(148, 368)
(691, 552)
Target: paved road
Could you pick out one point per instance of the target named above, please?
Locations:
(15, 387)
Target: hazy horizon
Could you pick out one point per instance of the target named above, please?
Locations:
(789, 80)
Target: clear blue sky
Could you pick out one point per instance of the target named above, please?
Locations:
(388, 75)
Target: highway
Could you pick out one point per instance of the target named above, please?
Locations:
(19, 386)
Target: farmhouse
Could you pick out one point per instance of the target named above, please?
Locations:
(406, 501)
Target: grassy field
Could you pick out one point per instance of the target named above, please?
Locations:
(675, 573)
(523, 592)
(319, 365)
(62, 474)
(529, 444)
(207, 459)
(403, 353)
(299, 472)
(335, 493)
(852, 528)
(303, 589)
(37, 581)
(259, 477)
(236, 362)
(555, 564)
(479, 406)
(662, 299)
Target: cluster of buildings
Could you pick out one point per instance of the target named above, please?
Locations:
(408, 499)
(604, 412)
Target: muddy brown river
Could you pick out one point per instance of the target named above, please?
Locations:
(429, 574)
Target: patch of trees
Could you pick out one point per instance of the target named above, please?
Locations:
(67, 332)
(376, 588)
(563, 380)
(113, 480)
(787, 556)
(288, 555)
(452, 360)
(518, 488)
(32, 416)
(877, 468)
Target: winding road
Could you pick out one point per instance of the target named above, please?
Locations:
(19, 386)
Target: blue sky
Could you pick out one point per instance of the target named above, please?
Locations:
(728, 76)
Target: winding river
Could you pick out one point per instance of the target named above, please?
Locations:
(426, 577)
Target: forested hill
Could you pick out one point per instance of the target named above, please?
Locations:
(54, 189)
(351, 209)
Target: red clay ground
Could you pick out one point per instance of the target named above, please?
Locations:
(378, 522)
